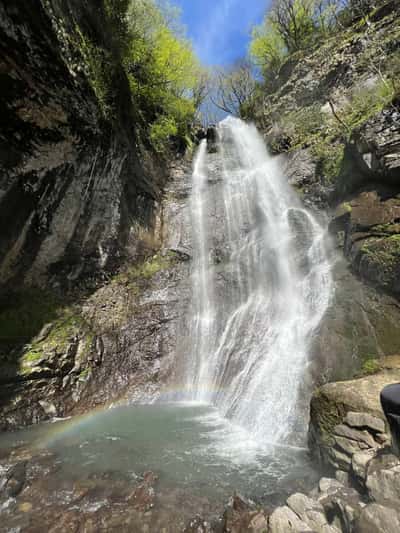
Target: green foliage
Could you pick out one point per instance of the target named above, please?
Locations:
(234, 88)
(163, 129)
(267, 49)
(365, 104)
(100, 67)
(324, 133)
(145, 270)
(116, 11)
(144, 38)
(329, 157)
(290, 26)
(370, 366)
(162, 69)
(296, 22)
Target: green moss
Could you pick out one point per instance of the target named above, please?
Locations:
(366, 103)
(387, 229)
(145, 271)
(85, 374)
(325, 415)
(370, 366)
(99, 65)
(68, 325)
(385, 250)
(346, 207)
(33, 356)
(329, 157)
(326, 133)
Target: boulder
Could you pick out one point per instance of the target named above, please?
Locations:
(329, 485)
(383, 479)
(378, 143)
(359, 465)
(342, 507)
(375, 518)
(284, 520)
(143, 496)
(311, 512)
(198, 525)
(14, 480)
(362, 439)
(241, 515)
(346, 418)
(365, 420)
(343, 477)
(371, 235)
(212, 139)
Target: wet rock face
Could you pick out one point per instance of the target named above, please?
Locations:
(378, 144)
(360, 323)
(119, 342)
(74, 181)
(212, 139)
(370, 224)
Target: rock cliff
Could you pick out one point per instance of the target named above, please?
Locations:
(333, 114)
(80, 200)
(78, 186)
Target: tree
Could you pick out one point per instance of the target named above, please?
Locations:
(234, 88)
(267, 49)
(294, 21)
(163, 71)
(289, 26)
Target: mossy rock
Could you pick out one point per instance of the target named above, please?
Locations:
(134, 275)
(331, 402)
(379, 261)
(370, 366)
(58, 348)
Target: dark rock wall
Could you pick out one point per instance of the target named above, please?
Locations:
(76, 185)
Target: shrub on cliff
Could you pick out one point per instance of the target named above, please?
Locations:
(292, 26)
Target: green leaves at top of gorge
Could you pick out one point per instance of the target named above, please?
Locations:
(162, 69)
(291, 27)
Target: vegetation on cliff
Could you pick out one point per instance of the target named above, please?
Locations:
(323, 69)
(144, 39)
(165, 77)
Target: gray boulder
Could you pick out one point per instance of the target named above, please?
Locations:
(342, 507)
(284, 520)
(375, 518)
(311, 512)
(365, 420)
(383, 480)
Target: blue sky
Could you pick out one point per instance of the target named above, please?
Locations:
(220, 29)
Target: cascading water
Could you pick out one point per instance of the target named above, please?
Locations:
(261, 285)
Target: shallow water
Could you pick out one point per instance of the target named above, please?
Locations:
(189, 446)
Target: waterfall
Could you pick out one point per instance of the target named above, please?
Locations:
(261, 284)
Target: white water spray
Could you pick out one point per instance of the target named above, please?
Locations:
(261, 285)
